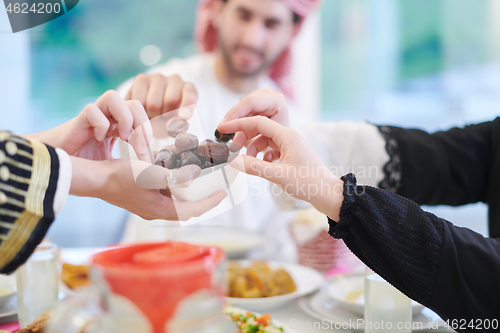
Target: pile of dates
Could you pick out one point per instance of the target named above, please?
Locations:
(188, 150)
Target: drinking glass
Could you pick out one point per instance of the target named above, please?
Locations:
(37, 284)
(386, 308)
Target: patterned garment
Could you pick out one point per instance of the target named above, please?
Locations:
(29, 172)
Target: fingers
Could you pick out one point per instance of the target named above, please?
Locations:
(186, 210)
(113, 106)
(253, 126)
(160, 94)
(139, 89)
(155, 93)
(265, 102)
(272, 155)
(189, 97)
(260, 144)
(173, 94)
(96, 119)
(142, 135)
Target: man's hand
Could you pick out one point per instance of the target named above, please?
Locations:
(94, 131)
(114, 181)
(267, 103)
(299, 172)
(160, 94)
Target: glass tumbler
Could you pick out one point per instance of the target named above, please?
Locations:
(386, 308)
(37, 284)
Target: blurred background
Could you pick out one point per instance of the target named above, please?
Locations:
(428, 64)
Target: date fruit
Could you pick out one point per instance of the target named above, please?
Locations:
(220, 137)
(185, 142)
(176, 126)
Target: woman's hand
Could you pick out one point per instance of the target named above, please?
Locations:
(299, 172)
(267, 103)
(93, 132)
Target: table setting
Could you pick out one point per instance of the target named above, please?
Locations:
(314, 302)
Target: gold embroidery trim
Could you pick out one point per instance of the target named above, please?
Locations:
(24, 153)
(6, 225)
(12, 189)
(17, 237)
(19, 164)
(8, 212)
(28, 220)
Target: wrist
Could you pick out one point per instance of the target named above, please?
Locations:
(89, 177)
(329, 202)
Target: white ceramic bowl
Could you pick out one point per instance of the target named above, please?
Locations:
(349, 290)
(210, 180)
(7, 288)
(237, 243)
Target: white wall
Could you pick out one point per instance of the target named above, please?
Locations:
(306, 67)
(14, 78)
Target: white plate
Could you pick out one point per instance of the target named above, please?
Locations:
(322, 307)
(10, 308)
(8, 288)
(306, 279)
(235, 242)
(340, 287)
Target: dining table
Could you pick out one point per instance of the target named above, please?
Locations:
(291, 315)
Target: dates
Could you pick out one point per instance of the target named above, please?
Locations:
(188, 151)
(176, 126)
(167, 157)
(186, 141)
(188, 158)
(220, 137)
(215, 152)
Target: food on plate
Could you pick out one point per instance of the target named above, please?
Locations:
(187, 150)
(250, 323)
(75, 276)
(38, 325)
(258, 280)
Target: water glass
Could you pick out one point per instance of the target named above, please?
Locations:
(386, 308)
(37, 284)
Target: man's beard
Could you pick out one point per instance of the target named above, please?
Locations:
(233, 70)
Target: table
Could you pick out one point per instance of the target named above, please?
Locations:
(291, 316)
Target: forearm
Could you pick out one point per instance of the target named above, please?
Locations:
(441, 266)
(54, 137)
(90, 178)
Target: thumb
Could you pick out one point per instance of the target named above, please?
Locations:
(256, 167)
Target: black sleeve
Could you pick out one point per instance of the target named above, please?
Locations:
(453, 271)
(450, 168)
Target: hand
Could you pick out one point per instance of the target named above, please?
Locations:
(267, 103)
(299, 171)
(94, 131)
(114, 181)
(160, 94)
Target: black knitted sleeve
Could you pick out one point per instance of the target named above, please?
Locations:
(444, 267)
